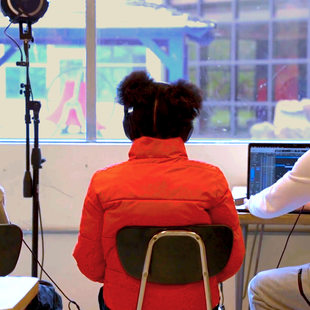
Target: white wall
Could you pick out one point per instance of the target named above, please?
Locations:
(64, 180)
(67, 171)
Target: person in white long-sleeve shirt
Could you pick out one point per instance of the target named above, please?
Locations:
(289, 287)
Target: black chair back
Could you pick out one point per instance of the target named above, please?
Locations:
(11, 237)
(174, 260)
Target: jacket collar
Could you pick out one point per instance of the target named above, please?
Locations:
(148, 147)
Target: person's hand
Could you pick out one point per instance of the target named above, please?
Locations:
(305, 207)
(244, 207)
(245, 203)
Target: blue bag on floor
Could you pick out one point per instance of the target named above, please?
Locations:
(47, 298)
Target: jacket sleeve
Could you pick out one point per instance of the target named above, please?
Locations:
(88, 251)
(224, 212)
(287, 194)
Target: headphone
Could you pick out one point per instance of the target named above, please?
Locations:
(128, 125)
(132, 134)
(187, 132)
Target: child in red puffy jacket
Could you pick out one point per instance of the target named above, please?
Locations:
(157, 186)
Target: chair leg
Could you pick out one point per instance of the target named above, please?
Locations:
(205, 273)
(145, 272)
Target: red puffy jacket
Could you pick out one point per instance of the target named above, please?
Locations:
(157, 186)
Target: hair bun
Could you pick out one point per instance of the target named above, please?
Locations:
(186, 97)
(135, 89)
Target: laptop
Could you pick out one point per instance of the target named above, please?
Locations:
(268, 162)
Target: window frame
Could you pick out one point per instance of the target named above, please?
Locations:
(195, 65)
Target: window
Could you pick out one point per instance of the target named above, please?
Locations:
(221, 10)
(57, 65)
(114, 61)
(217, 83)
(256, 57)
(253, 10)
(288, 8)
(252, 41)
(220, 49)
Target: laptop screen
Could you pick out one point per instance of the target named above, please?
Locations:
(268, 162)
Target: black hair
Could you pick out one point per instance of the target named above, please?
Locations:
(158, 109)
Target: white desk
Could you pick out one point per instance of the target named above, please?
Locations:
(17, 292)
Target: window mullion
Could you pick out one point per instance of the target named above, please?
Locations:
(91, 70)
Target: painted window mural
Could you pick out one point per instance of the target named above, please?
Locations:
(250, 58)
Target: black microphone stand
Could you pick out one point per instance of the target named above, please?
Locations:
(31, 184)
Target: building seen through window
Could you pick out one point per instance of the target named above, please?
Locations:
(250, 58)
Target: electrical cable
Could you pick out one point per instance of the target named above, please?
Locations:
(21, 53)
(250, 263)
(259, 247)
(29, 83)
(42, 270)
(12, 39)
(289, 235)
(57, 286)
(39, 209)
(42, 241)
